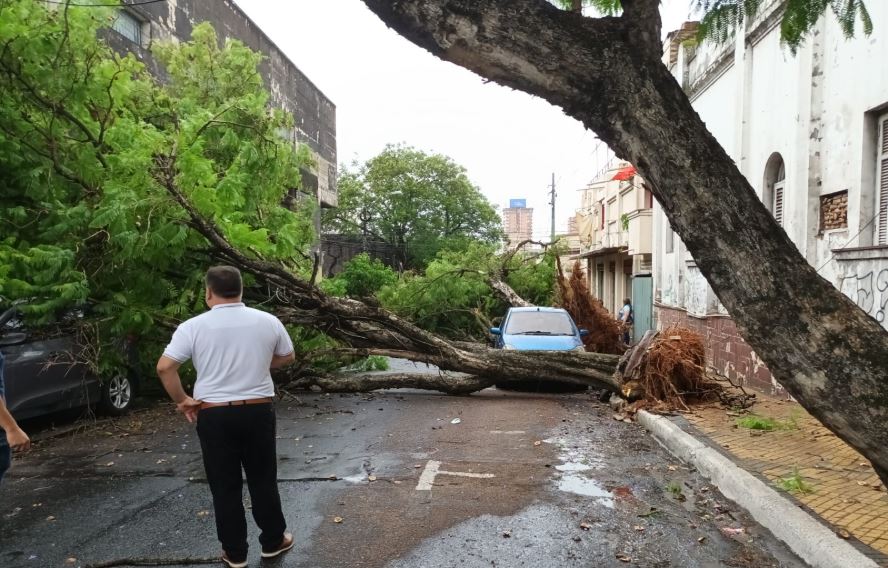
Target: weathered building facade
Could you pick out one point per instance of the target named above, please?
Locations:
(138, 25)
(614, 227)
(809, 133)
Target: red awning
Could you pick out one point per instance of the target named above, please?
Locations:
(624, 174)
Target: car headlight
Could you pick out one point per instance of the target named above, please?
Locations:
(508, 346)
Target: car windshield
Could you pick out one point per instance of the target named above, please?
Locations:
(539, 323)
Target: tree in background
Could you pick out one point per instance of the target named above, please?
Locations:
(417, 202)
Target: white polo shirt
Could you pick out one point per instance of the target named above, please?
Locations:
(231, 347)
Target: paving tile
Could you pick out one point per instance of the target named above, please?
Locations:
(844, 490)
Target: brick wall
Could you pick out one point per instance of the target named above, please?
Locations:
(834, 211)
(726, 351)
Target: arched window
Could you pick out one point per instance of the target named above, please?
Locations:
(775, 185)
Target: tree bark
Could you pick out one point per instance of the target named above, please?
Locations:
(507, 293)
(449, 383)
(608, 74)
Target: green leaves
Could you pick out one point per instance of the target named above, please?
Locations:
(89, 143)
(721, 18)
(420, 203)
(361, 277)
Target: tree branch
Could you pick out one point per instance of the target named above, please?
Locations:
(644, 15)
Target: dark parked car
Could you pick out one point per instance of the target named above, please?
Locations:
(43, 373)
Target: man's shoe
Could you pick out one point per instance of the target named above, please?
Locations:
(231, 563)
(283, 547)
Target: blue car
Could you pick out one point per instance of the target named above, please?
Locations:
(538, 329)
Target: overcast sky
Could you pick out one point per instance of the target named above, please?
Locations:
(387, 90)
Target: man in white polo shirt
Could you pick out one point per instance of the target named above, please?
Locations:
(233, 348)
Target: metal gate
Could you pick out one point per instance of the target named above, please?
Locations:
(642, 305)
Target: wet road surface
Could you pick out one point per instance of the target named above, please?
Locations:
(522, 480)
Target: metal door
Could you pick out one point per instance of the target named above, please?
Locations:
(642, 305)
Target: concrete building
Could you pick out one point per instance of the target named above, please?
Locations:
(138, 25)
(614, 226)
(809, 133)
(517, 222)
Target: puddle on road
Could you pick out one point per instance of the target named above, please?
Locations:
(573, 465)
(582, 485)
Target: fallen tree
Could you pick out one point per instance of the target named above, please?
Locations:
(608, 73)
(142, 184)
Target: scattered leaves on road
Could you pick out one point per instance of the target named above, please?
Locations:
(623, 557)
(371, 478)
(585, 526)
(337, 520)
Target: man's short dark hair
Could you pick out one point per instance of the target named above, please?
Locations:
(225, 281)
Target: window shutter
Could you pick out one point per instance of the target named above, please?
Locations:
(778, 203)
(882, 180)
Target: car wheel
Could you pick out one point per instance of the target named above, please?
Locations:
(117, 395)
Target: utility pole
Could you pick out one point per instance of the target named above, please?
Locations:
(552, 203)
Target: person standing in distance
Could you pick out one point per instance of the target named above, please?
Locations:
(627, 318)
(233, 349)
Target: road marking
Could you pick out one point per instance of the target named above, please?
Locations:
(433, 469)
(508, 432)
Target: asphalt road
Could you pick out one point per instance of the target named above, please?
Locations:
(522, 480)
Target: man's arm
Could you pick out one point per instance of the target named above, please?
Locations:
(278, 361)
(168, 371)
(16, 437)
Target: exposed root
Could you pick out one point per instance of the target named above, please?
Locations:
(666, 372)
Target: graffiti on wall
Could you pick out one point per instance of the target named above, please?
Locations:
(869, 290)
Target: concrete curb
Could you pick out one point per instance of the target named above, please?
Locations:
(810, 540)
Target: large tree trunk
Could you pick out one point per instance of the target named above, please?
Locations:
(607, 73)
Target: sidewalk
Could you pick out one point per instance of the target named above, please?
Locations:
(843, 489)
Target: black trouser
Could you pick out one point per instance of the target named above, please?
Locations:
(231, 437)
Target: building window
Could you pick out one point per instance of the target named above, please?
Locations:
(882, 179)
(648, 199)
(128, 26)
(834, 211)
(775, 186)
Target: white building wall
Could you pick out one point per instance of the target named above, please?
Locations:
(818, 110)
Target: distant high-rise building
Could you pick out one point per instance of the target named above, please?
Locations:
(517, 222)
